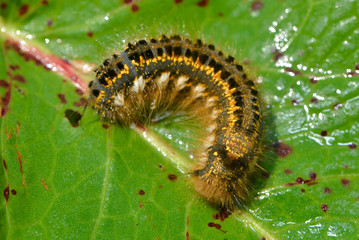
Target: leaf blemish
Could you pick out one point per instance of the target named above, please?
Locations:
(141, 192)
(345, 182)
(217, 226)
(327, 190)
(62, 98)
(257, 5)
(324, 207)
(13, 192)
(6, 193)
(221, 215)
(282, 149)
(23, 9)
(172, 177)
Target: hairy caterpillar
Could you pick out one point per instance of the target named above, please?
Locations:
(170, 75)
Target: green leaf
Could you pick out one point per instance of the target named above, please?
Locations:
(103, 182)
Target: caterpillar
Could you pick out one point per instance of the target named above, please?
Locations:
(168, 75)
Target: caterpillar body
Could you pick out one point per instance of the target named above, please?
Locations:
(164, 76)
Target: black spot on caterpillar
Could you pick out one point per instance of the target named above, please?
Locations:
(170, 75)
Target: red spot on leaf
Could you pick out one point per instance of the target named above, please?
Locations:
(127, 1)
(345, 182)
(6, 193)
(312, 175)
(141, 192)
(257, 5)
(14, 67)
(313, 80)
(135, 8)
(282, 149)
(172, 177)
(337, 106)
(23, 9)
(221, 215)
(90, 34)
(5, 102)
(352, 146)
(13, 192)
(62, 98)
(82, 102)
(203, 3)
(19, 160)
(293, 71)
(44, 2)
(44, 185)
(324, 207)
(178, 1)
(4, 84)
(277, 54)
(217, 226)
(4, 163)
(324, 133)
(327, 190)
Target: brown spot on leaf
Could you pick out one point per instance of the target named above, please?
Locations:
(3, 5)
(313, 80)
(140, 204)
(221, 215)
(6, 193)
(74, 117)
(4, 83)
(302, 190)
(352, 146)
(217, 226)
(288, 171)
(127, 1)
(293, 71)
(19, 160)
(324, 133)
(295, 102)
(312, 175)
(337, 106)
(172, 177)
(5, 102)
(23, 9)
(62, 98)
(282, 149)
(324, 207)
(277, 54)
(44, 2)
(314, 100)
(257, 5)
(105, 126)
(14, 67)
(327, 190)
(300, 180)
(82, 102)
(19, 78)
(345, 182)
(4, 163)
(178, 1)
(90, 34)
(13, 192)
(134, 8)
(203, 3)
(44, 185)
(141, 192)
